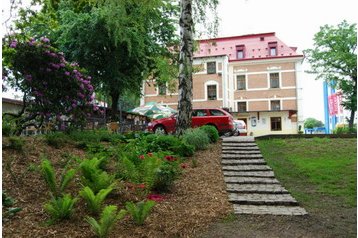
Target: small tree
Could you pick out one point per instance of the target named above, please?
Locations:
(312, 122)
(52, 86)
(334, 59)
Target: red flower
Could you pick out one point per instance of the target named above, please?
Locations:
(142, 186)
(184, 165)
(141, 157)
(170, 158)
(155, 197)
(150, 154)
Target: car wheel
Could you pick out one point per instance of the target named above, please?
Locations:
(159, 130)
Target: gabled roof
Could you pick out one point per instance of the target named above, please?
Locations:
(256, 46)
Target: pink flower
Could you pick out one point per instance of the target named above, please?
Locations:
(141, 186)
(150, 154)
(170, 158)
(155, 197)
(13, 44)
(45, 40)
(141, 157)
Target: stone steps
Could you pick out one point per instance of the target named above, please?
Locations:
(251, 184)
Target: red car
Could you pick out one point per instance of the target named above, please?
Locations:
(221, 119)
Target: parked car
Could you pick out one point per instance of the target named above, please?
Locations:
(240, 128)
(221, 119)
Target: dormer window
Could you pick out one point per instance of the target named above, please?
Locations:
(240, 49)
(272, 48)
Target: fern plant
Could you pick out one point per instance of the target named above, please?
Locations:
(60, 208)
(93, 176)
(140, 211)
(48, 172)
(94, 201)
(108, 218)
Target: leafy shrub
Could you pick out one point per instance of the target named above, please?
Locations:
(61, 208)
(94, 202)
(16, 143)
(344, 130)
(49, 175)
(56, 139)
(7, 204)
(167, 173)
(8, 126)
(197, 137)
(93, 176)
(212, 133)
(108, 218)
(140, 211)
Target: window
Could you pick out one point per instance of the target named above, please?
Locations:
(241, 82)
(273, 51)
(274, 80)
(272, 48)
(162, 88)
(211, 67)
(276, 124)
(199, 113)
(240, 49)
(211, 92)
(241, 107)
(216, 113)
(275, 105)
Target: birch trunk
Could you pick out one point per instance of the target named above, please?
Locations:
(185, 68)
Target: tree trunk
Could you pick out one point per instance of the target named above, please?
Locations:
(351, 120)
(185, 68)
(115, 98)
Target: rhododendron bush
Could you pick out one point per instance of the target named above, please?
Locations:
(53, 88)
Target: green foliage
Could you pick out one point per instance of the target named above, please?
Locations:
(16, 143)
(7, 204)
(212, 132)
(93, 176)
(94, 201)
(334, 59)
(56, 139)
(312, 122)
(167, 173)
(60, 208)
(140, 211)
(49, 175)
(108, 218)
(196, 137)
(344, 130)
(8, 125)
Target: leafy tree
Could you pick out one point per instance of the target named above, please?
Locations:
(312, 122)
(52, 86)
(334, 59)
(186, 23)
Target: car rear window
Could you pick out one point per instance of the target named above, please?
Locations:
(217, 113)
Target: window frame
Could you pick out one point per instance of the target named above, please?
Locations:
(237, 82)
(207, 92)
(278, 79)
(160, 93)
(211, 69)
(279, 105)
(238, 107)
(279, 121)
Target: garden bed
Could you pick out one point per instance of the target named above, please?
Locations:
(197, 199)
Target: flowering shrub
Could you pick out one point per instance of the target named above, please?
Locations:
(155, 197)
(53, 88)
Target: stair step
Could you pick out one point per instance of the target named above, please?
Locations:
(243, 161)
(250, 180)
(272, 210)
(256, 188)
(246, 168)
(262, 199)
(241, 156)
(241, 152)
(239, 140)
(239, 144)
(257, 174)
(239, 148)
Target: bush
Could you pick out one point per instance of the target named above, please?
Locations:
(16, 143)
(8, 126)
(140, 211)
(93, 176)
(167, 173)
(197, 137)
(344, 130)
(61, 208)
(94, 201)
(212, 132)
(56, 139)
(108, 218)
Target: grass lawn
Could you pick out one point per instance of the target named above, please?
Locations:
(315, 169)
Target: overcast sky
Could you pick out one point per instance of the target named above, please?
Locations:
(295, 23)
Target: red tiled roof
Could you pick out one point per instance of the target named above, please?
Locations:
(256, 46)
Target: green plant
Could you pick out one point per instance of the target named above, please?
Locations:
(344, 130)
(93, 176)
(8, 125)
(140, 211)
(49, 175)
(108, 218)
(56, 139)
(16, 143)
(60, 208)
(212, 133)
(167, 173)
(94, 201)
(197, 137)
(7, 204)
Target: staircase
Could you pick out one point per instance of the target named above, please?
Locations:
(250, 183)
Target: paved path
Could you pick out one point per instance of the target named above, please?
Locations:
(251, 184)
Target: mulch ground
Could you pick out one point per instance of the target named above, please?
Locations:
(197, 200)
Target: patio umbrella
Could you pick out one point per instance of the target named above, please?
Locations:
(154, 110)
